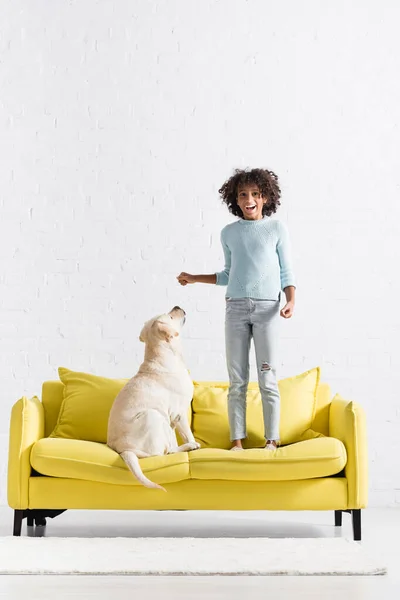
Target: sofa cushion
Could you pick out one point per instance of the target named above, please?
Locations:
(298, 399)
(318, 457)
(92, 461)
(86, 405)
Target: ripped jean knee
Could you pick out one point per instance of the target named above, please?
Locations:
(265, 367)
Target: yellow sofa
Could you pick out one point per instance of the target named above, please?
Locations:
(321, 465)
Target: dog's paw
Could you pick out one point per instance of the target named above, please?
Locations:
(195, 446)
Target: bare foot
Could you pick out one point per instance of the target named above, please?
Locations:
(237, 445)
(271, 445)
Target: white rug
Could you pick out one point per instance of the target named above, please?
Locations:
(185, 556)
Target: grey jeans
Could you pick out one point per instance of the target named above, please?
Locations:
(247, 318)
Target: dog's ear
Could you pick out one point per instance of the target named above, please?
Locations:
(166, 332)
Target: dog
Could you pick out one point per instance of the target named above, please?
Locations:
(156, 400)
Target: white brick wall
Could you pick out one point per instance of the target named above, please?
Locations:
(120, 120)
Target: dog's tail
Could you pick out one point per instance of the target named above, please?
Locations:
(133, 463)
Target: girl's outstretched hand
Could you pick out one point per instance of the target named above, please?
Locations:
(287, 310)
(185, 278)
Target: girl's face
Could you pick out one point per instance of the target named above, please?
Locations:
(250, 202)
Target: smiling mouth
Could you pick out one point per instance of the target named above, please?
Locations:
(251, 207)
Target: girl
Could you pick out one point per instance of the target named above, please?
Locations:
(257, 268)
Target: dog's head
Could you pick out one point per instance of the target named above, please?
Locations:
(166, 327)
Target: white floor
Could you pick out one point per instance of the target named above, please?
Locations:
(381, 533)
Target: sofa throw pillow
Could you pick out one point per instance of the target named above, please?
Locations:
(86, 405)
(298, 401)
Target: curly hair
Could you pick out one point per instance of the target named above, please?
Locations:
(266, 181)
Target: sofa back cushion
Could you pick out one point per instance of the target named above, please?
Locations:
(52, 399)
(298, 405)
(322, 407)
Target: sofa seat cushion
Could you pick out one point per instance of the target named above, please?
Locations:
(318, 457)
(92, 461)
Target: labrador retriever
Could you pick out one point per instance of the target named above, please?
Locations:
(156, 400)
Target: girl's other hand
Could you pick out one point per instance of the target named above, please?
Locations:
(185, 278)
(287, 310)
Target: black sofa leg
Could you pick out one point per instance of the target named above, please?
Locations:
(356, 517)
(34, 517)
(356, 520)
(40, 515)
(18, 516)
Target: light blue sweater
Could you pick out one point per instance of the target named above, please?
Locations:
(257, 259)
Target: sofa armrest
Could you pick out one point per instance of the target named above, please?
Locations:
(348, 424)
(26, 428)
